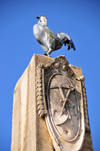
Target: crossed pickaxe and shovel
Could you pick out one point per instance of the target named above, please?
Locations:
(65, 99)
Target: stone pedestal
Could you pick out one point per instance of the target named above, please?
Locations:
(29, 130)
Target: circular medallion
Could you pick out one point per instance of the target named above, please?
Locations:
(63, 105)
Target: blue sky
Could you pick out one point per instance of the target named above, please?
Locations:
(80, 20)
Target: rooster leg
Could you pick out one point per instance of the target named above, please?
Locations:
(49, 51)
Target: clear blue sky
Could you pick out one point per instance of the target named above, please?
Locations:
(80, 19)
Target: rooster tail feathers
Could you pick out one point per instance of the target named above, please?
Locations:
(72, 45)
(66, 40)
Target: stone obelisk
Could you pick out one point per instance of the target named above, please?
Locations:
(43, 118)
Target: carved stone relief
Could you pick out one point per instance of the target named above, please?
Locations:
(59, 94)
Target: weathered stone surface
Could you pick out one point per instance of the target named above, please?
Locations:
(29, 130)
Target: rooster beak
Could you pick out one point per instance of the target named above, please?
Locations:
(38, 17)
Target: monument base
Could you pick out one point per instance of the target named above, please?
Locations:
(29, 130)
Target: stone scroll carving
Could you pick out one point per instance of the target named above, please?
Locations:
(59, 94)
